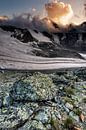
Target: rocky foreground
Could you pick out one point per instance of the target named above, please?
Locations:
(37, 101)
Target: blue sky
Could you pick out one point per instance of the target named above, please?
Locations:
(9, 7)
(19, 6)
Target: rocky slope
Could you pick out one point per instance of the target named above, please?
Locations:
(39, 101)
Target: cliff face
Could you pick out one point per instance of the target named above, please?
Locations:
(74, 41)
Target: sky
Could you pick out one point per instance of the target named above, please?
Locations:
(10, 7)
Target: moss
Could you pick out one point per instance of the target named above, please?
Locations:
(77, 111)
(4, 110)
(69, 100)
(69, 91)
(68, 123)
(84, 100)
(55, 124)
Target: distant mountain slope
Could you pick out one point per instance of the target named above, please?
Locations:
(36, 43)
(24, 49)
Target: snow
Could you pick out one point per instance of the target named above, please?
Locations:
(83, 55)
(39, 36)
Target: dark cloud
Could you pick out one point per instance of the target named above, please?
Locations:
(26, 20)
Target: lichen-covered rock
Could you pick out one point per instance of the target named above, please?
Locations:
(37, 101)
(33, 88)
(33, 125)
(12, 118)
(81, 73)
(44, 115)
(43, 119)
(7, 100)
(37, 125)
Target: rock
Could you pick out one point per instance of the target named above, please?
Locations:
(33, 125)
(66, 109)
(1, 102)
(74, 116)
(81, 73)
(36, 125)
(61, 88)
(58, 115)
(69, 106)
(60, 80)
(76, 104)
(43, 117)
(36, 101)
(76, 128)
(7, 100)
(82, 117)
(12, 118)
(33, 88)
(48, 127)
(1, 98)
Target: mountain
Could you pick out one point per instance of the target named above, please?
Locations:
(23, 48)
(44, 44)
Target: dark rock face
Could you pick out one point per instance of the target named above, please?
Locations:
(52, 50)
(21, 34)
(74, 41)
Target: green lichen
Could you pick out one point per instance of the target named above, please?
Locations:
(84, 100)
(69, 91)
(55, 124)
(68, 123)
(35, 87)
(69, 100)
(77, 111)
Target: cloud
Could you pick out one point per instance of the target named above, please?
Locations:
(26, 20)
(3, 18)
(59, 12)
(34, 9)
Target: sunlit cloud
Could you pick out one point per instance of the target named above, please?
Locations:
(59, 12)
(3, 18)
(55, 12)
